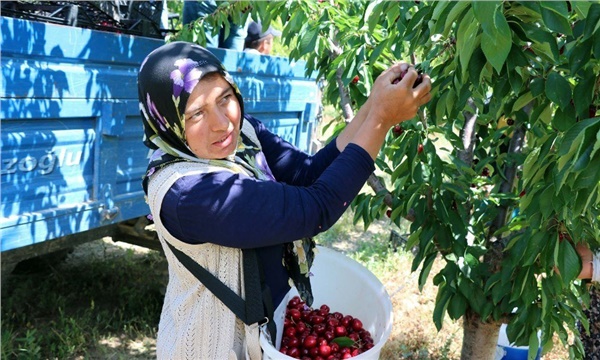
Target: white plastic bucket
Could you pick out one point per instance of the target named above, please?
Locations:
(345, 286)
(507, 351)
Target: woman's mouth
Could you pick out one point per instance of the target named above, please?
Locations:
(224, 142)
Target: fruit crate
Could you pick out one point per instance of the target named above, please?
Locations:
(140, 18)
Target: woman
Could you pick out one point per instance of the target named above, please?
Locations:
(221, 186)
(590, 262)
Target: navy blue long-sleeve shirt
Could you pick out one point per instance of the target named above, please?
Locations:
(309, 195)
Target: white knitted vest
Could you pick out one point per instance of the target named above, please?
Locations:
(195, 324)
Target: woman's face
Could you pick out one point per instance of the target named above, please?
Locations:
(212, 119)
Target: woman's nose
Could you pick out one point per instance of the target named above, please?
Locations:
(219, 121)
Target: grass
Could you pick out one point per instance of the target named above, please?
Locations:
(104, 301)
(95, 305)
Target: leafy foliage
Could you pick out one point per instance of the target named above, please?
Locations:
(502, 167)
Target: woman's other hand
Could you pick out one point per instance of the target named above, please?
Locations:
(586, 256)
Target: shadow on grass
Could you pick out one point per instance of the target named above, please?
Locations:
(101, 302)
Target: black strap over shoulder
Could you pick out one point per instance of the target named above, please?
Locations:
(258, 305)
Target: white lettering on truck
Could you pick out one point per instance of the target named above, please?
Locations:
(45, 163)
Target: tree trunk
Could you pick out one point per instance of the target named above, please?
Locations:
(479, 338)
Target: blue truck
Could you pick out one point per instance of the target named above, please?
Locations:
(71, 132)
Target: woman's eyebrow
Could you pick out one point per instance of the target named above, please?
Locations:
(194, 109)
(225, 92)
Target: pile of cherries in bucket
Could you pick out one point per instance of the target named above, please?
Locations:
(318, 334)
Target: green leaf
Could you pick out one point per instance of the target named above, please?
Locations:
(476, 64)
(537, 86)
(546, 201)
(596, 49)
(484, 13)
(535, 245)
(534, 344)
(558, 89)
(427, 264)
(580, 56)
(564, 118)
(592, 21)
(457, 306)
(308, 41)
(467, 40)
(456, 11)
(554, 15)
(574, 137)
(590, 177)
(583, 94)
(372, 14)
(415, 23)
(496, 42)
(583, 159)
(522, 101)
(343, 341)
(441, 302)
(544, 43)
(583, 199)
(569, 262)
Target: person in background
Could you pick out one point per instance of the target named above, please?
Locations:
(193, 10)
(228, 193)
(259, 41)
(590, 262)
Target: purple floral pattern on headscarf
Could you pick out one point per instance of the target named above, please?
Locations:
(186, 76)
(162, 123)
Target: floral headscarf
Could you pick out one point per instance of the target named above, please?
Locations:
(165, 81)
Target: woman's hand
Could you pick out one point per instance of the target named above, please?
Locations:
(393, 102)
(390, 103)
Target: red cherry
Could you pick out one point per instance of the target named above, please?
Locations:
(510, 122)
(319, 328)
(295, 314)
(293, 352)
(419, 80)
(310, 341)
(397, 130)
(329, 336)
(324, 350)
(293, 342)
(294, 302)
(420, 149)
(402, 74)
(291, 332)
(522, 193)
(357, 325)
(388, 213)
(355, 79)
(317, 319)
(340, 331)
